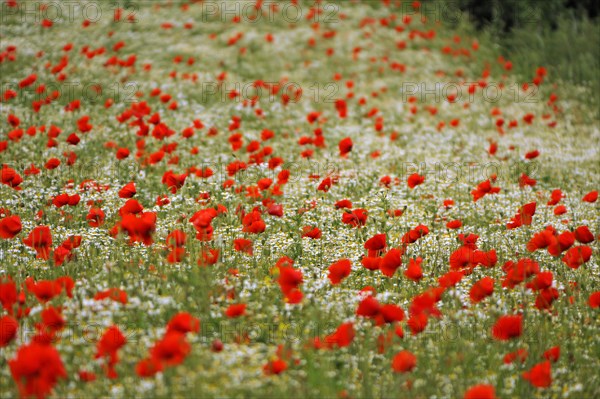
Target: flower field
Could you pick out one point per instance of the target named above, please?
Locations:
(290, 199)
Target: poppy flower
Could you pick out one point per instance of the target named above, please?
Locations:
(523, 217)
(390, 262)
(541, 281)
(148, 367)
(414, 180)
(128, 190)
(289, 280)
(594, 300)
(376, 244)
(172, 349)
(552, 354)
(95, 217)
(139, 227)
(36, 369)
(40, 239)
(583, 235)
(355, 218)
(236, 310)
(10, 226)
(481, 289)
(10, 177)
(345, 146)
(404, 362)
(414, 234)
(343, 204)
(253, 223)
(592, 196)
(391, 313)
(555, 197)
(577, 256)
(540, 375)
(107, 347)
(482, 391)
(115, 294)
(311, 232)
(518, 272)
(454, 224)
(560, 210)
(52, 163)
(173, 181)
(184, 323)
(508, 327)
(8, 330)
(275, 367)
(414, 271)
(371, 263)
(417, 323)
(243, 245)
(342, 337)
(483, 189)
(339, 271)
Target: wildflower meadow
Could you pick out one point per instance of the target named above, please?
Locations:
(293, 199)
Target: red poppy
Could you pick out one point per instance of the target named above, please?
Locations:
(343, 204)
(592, 196)
(523, 217)
(540, 375)
(36, 369)
(342, 337)
(10, 226)
(414, 271)
(289, 280)
(243, 245)
(404, 362)
(390, 262)
(40, 239)
(139, 227)
(482, 391)
(115, 294)
(172, 349)
(128, 190)
(275, 367)
(594, 300)
(482, 189)
(454, 224)
(355, 218)
(253, 223)
(414, 234)
(10, 177)
(583, 235)
(8, 330)
(417, 322)
(107, 347)
(376, 245)
(95, 217)
(311, 232)
(345, 146)
(481, 289)
(148, 367)
(414, 180)
(339, 271)
(577, 256)
(508, 327)
(236, 310)
(173, 182)
(552, 354)
(184, 323)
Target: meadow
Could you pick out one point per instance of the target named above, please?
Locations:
(292, 199)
